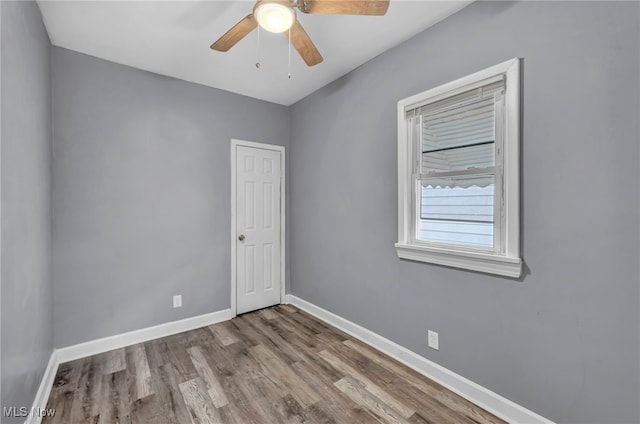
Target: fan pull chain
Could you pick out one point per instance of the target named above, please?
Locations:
(289, 52)
(258, 50)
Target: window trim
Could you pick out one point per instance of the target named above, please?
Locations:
(508, 262)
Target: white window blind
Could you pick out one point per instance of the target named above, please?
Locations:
(455, 168)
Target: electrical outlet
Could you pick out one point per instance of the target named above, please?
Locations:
(177, 301)
(433, 340)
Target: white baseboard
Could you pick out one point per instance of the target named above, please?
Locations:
(106, 344)
(481, 396)
(46, 384)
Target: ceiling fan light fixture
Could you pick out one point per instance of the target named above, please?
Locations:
(274, 16)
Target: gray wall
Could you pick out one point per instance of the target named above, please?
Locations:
(27, 312)
(564, 340)
(142, 194)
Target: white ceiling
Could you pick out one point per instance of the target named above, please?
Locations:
(173, 38)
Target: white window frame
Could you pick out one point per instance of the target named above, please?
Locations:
(507, 260)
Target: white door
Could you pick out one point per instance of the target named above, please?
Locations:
(258, 191)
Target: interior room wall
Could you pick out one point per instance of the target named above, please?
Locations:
(27, 307)
(563, 340)
(141, 207)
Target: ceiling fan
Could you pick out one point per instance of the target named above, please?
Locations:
(279, 16)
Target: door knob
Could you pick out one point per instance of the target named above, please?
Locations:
(241, 237)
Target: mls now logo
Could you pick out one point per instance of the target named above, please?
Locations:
(22, 412)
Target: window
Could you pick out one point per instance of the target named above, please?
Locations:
(459, 173)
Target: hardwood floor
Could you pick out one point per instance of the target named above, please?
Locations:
(278, 365)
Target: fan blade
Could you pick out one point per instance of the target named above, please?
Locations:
(235, 34)
(303, 44)
(345, 7)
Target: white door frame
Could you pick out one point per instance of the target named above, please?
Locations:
(235, 143)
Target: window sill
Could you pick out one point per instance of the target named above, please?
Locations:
(483, 262)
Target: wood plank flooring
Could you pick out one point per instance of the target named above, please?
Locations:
(278, 365)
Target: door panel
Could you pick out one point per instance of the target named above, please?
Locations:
(258, 173)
